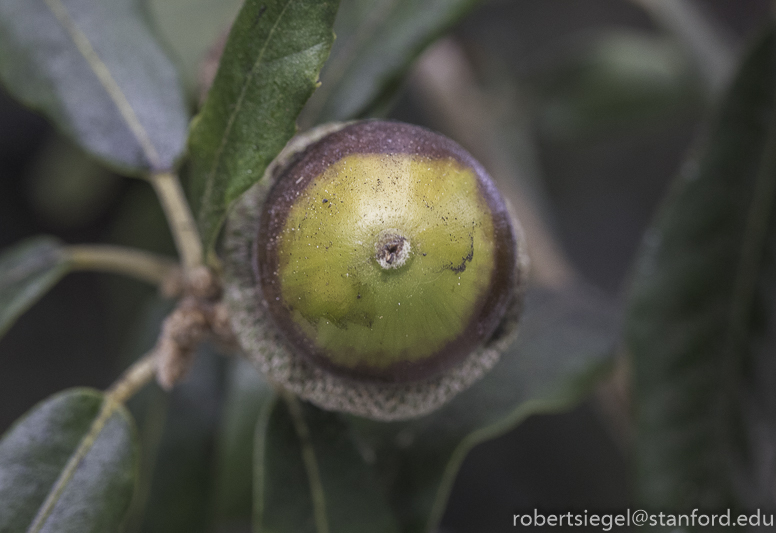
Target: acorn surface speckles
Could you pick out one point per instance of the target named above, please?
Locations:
(374, 266)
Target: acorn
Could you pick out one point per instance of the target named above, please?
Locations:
(375, 269)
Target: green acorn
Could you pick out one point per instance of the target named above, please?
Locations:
(375, 269)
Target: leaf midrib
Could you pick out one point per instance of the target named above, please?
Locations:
(107, 410)
(106, 79)
(310, 463)
(210, 181)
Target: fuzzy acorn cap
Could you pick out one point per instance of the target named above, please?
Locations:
(315, 289)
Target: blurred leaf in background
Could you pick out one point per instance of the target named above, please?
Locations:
(67, 463)
(377, 41)
(191, 28)
(27, 271)
(309, 460)
(247, 396)
(611, 80)
(180, 430)
(701, 314)
(99, 74)
(178, 438)
(310, 475)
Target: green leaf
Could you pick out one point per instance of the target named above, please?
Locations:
(177, 432)
(268, 71)
(96, 70)
(377, 41)
(247, 394)
(310, 476)
(564, 347)
(613, 80)
(27, 271)
(701, 34)
(701, 312)
(181, 428)
(68, 466)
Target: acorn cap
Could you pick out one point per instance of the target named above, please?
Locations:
(375, 269)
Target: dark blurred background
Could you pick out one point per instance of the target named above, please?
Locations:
(609, 105)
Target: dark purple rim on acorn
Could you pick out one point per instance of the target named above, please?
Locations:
(384, 137)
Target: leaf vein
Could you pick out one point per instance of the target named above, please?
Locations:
(106, 79)
(109, 406)
(209, 183)
(310, 463)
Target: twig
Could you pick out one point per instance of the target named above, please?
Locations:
(134, 378)
(180, 218)
(182, 332)
(138, 375)
(143, 265)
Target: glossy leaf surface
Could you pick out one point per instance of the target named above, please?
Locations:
(97, 71)
(68, 466)
(27, 271)
(268, 71)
